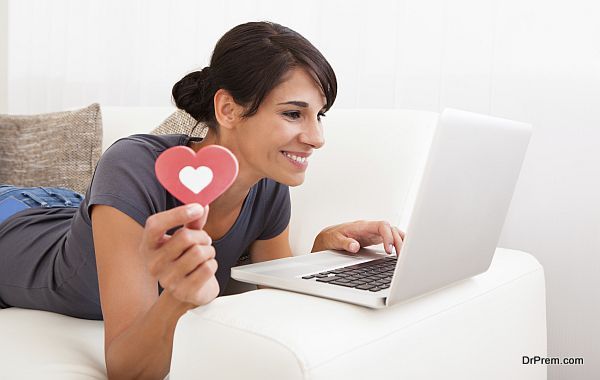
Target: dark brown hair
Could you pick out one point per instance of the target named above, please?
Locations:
(249, 61)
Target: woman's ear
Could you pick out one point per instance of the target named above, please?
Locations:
(227, 111)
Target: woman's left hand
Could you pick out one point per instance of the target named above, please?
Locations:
(361, 233)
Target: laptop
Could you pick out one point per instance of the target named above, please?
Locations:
(465, 190)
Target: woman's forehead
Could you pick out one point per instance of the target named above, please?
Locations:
(296, 89)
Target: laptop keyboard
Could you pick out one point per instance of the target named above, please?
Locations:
(374, 275)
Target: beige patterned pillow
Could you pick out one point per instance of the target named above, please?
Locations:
(58, 149)
(180, 122)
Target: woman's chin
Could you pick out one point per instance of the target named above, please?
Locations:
(292, 180)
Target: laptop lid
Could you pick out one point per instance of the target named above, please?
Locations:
(462, 201)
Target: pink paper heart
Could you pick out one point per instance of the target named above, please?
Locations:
(198, 177)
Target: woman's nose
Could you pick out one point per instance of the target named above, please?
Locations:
(313, 135)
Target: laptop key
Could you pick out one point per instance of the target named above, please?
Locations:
(309, 276)
(371, 279)
(347, 284)
(327, 279)
(355, 283)
(365, 286)
(375, 289)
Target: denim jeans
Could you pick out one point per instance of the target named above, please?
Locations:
(42, 196)
(26, 279)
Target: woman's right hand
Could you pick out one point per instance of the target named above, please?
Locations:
(184, 264)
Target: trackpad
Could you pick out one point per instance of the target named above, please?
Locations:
(316, 262)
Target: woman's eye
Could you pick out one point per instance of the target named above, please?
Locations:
(292, 114)
(296, 115)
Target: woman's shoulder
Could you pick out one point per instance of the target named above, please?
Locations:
(130, 160)
(125, 177)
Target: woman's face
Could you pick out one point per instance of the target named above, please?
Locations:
(277, 141)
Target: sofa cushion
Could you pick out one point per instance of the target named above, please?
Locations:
(57, 149)
(180, 122)
(477, 328)
(43, 345)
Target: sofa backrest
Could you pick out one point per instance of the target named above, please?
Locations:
(368, 168)
(120, 122)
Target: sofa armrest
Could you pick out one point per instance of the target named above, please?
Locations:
(477, 328)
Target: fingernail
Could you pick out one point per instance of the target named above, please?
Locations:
(354, 246)
(195, 210)
(391, 248)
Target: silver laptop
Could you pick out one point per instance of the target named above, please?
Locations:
(464, 194)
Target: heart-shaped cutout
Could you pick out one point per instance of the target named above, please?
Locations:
(196, 177)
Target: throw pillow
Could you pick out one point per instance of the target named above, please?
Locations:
(57, 149)
(180, 122)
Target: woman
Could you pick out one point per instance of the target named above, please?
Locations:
(133, 255)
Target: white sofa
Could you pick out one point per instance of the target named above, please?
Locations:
(479, 328)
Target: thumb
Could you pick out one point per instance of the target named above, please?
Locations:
(198, 224)
(348, 244)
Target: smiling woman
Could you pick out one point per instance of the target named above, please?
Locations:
(134, 255)
(274, 142)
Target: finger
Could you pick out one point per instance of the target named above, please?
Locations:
(164, 239)
(398, 239)
(346, 243)
(192, 259)
(183, 239)
(185, 264)
(402, 234)
(157, 224)
(385, 230)
(193, 283)
(199, 223)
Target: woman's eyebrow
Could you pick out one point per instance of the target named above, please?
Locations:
(298, 103)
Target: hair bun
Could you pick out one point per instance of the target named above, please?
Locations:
(193, 94)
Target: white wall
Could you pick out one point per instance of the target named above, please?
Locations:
(547, 70)
(531, 60)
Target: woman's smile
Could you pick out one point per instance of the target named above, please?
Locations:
(297, 160)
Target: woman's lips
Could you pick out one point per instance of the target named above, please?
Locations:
(298, 165)
(299, 154)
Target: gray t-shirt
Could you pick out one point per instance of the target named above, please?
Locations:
(47, 256)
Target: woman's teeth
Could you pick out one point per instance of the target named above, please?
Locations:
(295, 158)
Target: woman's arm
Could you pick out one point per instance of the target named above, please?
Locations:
(271, 249)
(144, 349)
(139, 324)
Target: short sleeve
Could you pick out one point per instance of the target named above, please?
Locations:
(124, 178)
(278, 209)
